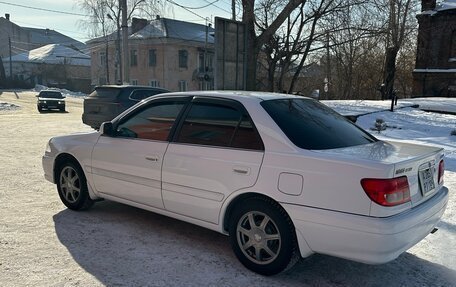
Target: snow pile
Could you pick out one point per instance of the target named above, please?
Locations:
(361, 107)
(52, 54)
(8, 107)
(65, 92)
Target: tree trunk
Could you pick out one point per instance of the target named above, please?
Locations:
(389, 71)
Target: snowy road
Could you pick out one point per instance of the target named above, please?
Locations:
(44, 244)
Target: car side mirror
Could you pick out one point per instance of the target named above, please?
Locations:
(107, 129)
(63, 97)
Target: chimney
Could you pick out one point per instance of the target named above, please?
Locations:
(7, 16)
(427, 5)
(138, 24)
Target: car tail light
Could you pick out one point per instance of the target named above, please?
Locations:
(387, 192)
(441, 171)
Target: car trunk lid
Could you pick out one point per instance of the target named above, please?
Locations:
(420, 164)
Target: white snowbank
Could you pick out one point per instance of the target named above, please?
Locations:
(8, 107)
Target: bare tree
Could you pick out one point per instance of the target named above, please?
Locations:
(400, 24)
(105, 17)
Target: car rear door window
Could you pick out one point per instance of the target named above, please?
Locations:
(311, 125)
(217, 124)
(153, 122)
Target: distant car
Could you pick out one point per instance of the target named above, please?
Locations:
(284, 176)
(50, 99)
(106, 102)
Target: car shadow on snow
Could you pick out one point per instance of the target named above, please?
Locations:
(125, 246)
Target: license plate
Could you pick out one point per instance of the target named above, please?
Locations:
(426, 179)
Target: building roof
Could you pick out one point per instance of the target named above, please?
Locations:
(52, 54)
(49, 36)
(168, 28)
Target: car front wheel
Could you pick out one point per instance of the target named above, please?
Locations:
(263, 237)
(72, 187)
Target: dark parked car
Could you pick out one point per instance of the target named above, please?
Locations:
(106, 102)
(50, 99)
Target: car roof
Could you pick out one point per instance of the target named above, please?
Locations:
(55, 91)
(237, 95)
(129, 87)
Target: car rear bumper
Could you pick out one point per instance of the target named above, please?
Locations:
(365, 239)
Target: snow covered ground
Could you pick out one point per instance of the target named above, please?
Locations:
(44, 244)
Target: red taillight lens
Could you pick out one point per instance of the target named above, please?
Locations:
(387, 192)
(441, 171)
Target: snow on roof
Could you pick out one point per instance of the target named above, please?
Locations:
(169, 28)
(47, 36)
(52, 54)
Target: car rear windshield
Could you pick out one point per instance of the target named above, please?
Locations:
(312, 125)
(50, 94)
(106, 93)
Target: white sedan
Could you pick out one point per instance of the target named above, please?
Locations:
(283, 176)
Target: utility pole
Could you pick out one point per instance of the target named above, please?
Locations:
(126, 66)
(205, 61)
(10, 58)
(233, 9)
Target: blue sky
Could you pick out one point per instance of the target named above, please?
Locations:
(70, 25)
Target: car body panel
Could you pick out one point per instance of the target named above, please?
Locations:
(129, 168)
(329, 208)
(196, 179)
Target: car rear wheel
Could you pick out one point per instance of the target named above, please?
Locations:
(263, 237)
(72, 187)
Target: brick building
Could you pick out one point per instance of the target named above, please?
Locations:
(435, 69)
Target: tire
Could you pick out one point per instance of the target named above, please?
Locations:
(268, 248)
(72, 187)
(62, 109)
(40, 109)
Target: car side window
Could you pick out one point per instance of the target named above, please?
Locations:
(219, 125)
(152, 123)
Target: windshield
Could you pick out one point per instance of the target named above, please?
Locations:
(50, 94)
(312, 125)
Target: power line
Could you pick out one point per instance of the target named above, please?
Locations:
(201, 7)
(213, 3)
(188, 10)
(44, 9)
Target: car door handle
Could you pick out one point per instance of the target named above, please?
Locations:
(152, 158)
(242, 170)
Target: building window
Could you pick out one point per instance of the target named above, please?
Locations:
(152, 58)
(133, 58)
(154, 83)
(183, 58)
(102, 59)
(208, 67)
(134, 82)
(183, 86)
